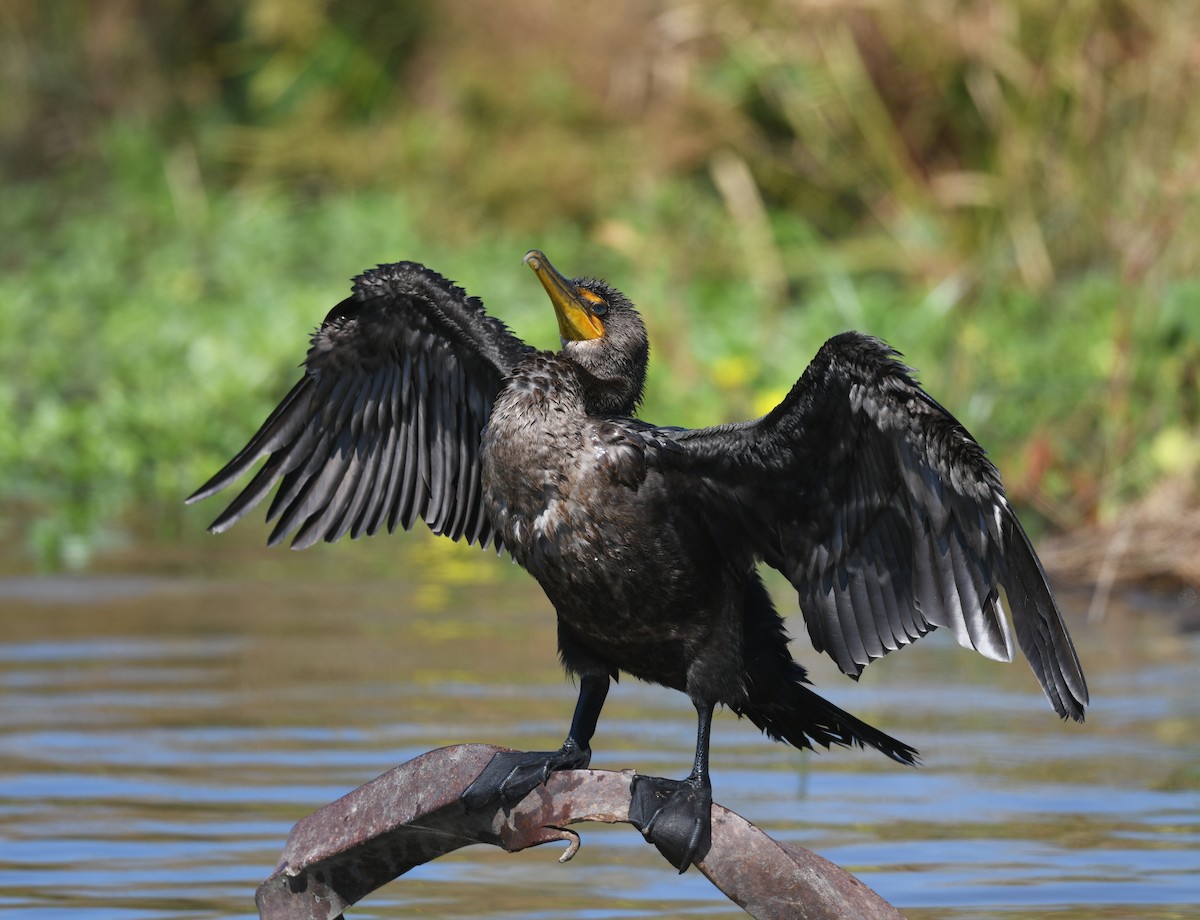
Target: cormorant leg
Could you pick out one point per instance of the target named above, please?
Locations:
(512, 775)
(676, 815)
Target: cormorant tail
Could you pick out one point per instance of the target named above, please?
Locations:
(778, 699)
(797, 715)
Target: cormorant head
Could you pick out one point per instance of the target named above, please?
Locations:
(601, 332)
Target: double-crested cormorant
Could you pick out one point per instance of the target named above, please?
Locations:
(876, 504)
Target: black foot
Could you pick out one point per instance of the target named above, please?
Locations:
(674, 815)
(512, 775)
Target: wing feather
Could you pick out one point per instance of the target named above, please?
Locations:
(361, 479)
(419, 439)
(377, 498)
(886, 516)
(311, 448)
(462, 495)
(277, 430)
(401, 512)
(385, 424)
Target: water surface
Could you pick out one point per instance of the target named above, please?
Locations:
(167, 719)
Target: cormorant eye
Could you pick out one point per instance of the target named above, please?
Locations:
(595, 303)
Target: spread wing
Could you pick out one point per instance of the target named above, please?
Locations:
(385, 424)
(886, 516)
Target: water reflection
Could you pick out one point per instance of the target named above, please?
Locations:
(167, 720)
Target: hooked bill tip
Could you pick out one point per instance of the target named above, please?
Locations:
(533, 259)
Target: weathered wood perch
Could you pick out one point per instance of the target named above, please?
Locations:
(412, 814)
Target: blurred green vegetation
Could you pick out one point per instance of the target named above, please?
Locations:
(1006, 190)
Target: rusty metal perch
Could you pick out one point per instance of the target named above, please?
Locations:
(412, 814)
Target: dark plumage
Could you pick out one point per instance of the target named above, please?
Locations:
(862, 490)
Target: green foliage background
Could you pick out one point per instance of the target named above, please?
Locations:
(1006, 190)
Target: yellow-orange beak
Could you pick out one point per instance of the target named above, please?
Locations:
(576, 321)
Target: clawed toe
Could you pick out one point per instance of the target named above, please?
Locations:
(512, 775)
(674, 815)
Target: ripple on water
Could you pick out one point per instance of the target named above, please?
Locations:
(159, 736)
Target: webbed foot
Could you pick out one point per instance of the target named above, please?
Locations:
(674, 815)
(512, 775)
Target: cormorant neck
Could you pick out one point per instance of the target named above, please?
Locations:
(613, 380)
